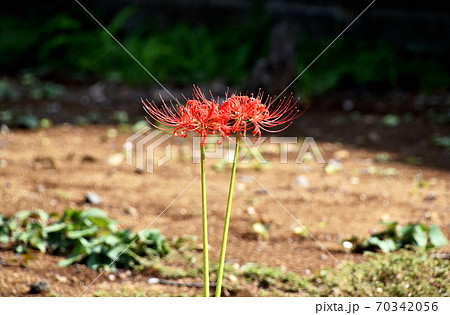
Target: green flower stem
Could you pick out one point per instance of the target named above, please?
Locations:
(205, 226)
(227, 221)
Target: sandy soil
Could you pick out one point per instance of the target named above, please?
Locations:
(52, 169)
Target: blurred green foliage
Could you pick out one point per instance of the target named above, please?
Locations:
(179, 54)
(87, 236)
(182, 54)
(396, 236)
(375, 66)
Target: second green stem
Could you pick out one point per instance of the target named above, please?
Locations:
(227, 221)
(205, 226)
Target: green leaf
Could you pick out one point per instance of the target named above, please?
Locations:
(386, 246)
(116, 251)
(4, 238)
(20, 249)
(13, 225)
(24, 236)
(54, 227)
(111, 240)
(437, 238)
(149, 236)
(69, 261)
(100, 222)
(22, 215)
(3, 220)
(405, 233)
(39, 243)
(420, 235)
(93, 213)
(81, 233)
(42, 215)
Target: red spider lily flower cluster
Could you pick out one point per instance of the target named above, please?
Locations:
(238, 113)
(199, 115)
(249, 112)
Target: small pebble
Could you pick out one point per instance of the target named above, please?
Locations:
(60, 278)
(115, 159)
(347, 244)
(131, 211)
(430, 197)
(111, 277)
(251, 210)
(122, 276)
(39, 287)
(324, 257)
(93, 198)
(245, 178)
(302, 181)
(153, 281)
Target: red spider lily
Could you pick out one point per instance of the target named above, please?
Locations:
(199, 115)
(247, 112)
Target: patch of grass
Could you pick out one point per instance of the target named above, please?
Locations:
(404, 273)
(273, 278)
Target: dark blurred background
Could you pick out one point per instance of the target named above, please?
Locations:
(401, 44)
(57, 62)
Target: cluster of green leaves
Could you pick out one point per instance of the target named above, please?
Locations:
(32, 87)
(88, 236)
(38, 89)
(23, 120)
(396, 236)
(7, 92)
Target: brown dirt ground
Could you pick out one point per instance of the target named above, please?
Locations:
(333, 207)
